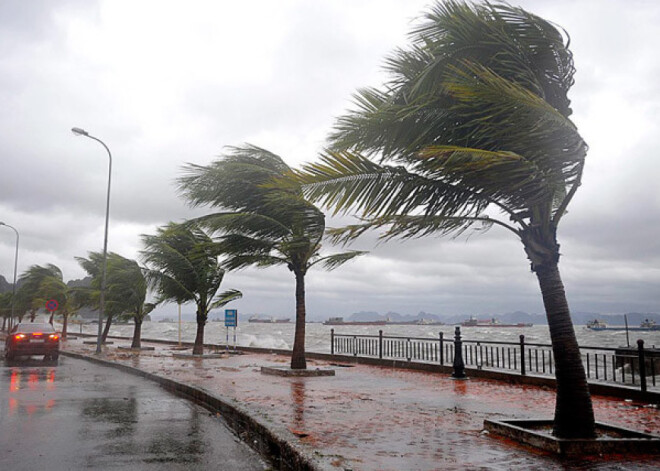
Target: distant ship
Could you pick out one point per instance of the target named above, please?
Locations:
(268, 320)
(647, 325)
(341, 321)
(474, 322)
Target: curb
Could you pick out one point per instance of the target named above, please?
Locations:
(275, 445)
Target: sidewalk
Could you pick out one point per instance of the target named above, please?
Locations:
(374, 419)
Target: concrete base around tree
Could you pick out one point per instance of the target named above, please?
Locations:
(205, 356)
(128, 347)
(610, 438)
(286, 371)
(93, 342)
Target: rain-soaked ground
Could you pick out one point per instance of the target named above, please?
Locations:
(77, 415)
(371, 418)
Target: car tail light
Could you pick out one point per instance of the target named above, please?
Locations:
(53, 336)
(19, 336)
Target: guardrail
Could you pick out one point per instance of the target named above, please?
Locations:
(624, 365)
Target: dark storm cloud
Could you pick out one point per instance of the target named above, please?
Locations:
(177, 87)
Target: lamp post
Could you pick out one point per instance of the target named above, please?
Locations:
(82, 132)
(13, 289)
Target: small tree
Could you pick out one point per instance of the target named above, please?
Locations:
(182, 266)
(267, 220)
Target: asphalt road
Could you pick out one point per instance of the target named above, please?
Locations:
(78, 415)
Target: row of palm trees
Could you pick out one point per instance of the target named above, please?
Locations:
(471, 131)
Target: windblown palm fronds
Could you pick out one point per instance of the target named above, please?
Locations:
(472, 131)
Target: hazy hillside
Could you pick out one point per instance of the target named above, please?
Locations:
(579, 318)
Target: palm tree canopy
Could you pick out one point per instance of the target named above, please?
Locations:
(183, 266)
(38, 285)
(265, 221)
(126, 286)
(476, 116)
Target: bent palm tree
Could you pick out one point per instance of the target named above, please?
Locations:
(42, 283)
(183, 266)
(114, 304)
(267, 222)
(476, 121)
(126, 290)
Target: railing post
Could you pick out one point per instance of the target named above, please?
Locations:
(380, 344)
(459, 365)
(642, 364)
(522, 355)
(442, 349)
(332, 341)
(355, 346)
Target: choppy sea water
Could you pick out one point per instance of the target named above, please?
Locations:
(317, 337)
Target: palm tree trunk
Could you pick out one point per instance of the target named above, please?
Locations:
(106, 329)
(198, 348)
(65, 323)
(574, 415)
(50, 320)
(298, 361)
(137, 333)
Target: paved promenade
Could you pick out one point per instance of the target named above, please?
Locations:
(374, 419)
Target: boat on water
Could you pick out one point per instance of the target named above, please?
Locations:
(646, 325)
(474, 322)
(269, 320)
(341, 321)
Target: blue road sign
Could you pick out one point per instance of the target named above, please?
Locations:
(231, 317)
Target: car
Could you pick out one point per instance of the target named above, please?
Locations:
(33, 339)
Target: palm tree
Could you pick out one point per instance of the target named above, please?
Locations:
(114, 305)
(43, 283)
(266, 221)
(28, 296)
(475, 123)
(126, 291)
(183, 266)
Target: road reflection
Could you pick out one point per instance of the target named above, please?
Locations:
(30, 389)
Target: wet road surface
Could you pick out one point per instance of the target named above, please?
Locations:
(385, 419)
(78, 415)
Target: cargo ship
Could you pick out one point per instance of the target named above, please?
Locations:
(647, 325)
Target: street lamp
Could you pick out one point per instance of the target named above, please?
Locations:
(13, 289)
(82, 132)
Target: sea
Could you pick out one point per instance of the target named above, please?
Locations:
(317, 338)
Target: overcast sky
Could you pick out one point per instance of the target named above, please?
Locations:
(163, 83)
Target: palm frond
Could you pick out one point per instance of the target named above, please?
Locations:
(330, 262)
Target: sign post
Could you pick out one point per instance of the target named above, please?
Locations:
(52, 306)
(231, 320)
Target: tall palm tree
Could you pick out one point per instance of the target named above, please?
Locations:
(265, 220)
(126, 290)
(182, 266)
(473, 130)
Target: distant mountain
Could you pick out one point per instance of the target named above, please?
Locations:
(579, 318)
(5, 286)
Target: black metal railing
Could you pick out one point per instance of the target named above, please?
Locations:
(623, 365)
